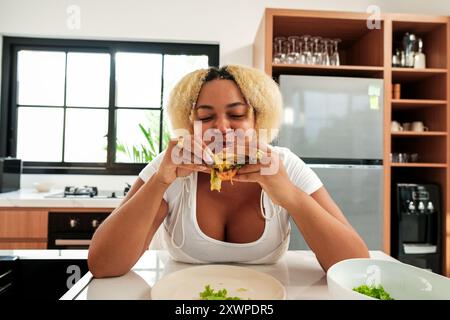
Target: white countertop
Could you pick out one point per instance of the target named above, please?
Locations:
(298, 271)
(45, 254)
(32, 198)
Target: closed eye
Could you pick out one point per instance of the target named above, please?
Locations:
(205, 119)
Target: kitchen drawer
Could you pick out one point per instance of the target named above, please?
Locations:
(22, 245)
(8, 274)
(23, 224)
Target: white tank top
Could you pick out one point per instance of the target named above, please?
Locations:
(186, 242)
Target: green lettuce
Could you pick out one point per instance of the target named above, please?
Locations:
(210, 294)
(376, 292)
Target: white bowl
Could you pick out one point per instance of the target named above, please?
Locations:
(42, 186)
(400, 280)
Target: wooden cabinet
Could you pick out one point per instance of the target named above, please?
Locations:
(27, 228)
(23, 228)
(361, 49)
(6, 245)
(368, 52)
(423, 97)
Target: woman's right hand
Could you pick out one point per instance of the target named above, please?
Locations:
(183, 156)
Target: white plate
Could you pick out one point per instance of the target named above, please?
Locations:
(400, 280)
(245, 283)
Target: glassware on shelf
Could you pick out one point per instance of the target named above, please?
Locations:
(403, 157)
(293, 49)
(419, 56)
(326, 52)
(306, 49)
(279, 55)
(335, 59)
(316, 52)
(306, 52)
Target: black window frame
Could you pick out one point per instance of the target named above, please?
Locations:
(8, 108)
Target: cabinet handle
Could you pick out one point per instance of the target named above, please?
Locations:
(5, 274)
(5, 287)
(73, 242)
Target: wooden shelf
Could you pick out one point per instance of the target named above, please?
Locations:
(343, 70)
(419, 134)
(431, 29)
(368, 53)
(427, 84)
(414, 103)
(411, 74)
(418, 165)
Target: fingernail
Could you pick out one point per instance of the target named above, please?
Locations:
(208, 159)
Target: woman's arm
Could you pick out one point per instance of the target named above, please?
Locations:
(123, 237)
(324, 227)
(318, 218)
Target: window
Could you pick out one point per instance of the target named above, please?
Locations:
(90, 107)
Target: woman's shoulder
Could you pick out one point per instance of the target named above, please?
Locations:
(287, 155)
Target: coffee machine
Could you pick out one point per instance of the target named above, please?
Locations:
(417, 226)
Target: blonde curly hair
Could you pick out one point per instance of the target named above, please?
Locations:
(259, 90)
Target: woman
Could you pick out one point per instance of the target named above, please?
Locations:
(248, 220)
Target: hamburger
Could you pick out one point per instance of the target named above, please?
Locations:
(226, 166)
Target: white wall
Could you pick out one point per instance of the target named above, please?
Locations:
(232, 23)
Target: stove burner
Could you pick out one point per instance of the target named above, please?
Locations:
(90, 192)
(81, 191)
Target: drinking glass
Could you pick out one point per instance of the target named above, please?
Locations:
(316, 53)
(293, 49)
(279, 55)
(326, 52)
(335, 59)
(307, 52)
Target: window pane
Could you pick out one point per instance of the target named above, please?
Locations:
(132, 143)
(88, 79)
(166, 131)
(86, 135)
(39, 136)
(40, 78)
(177, 66)
(138, 80)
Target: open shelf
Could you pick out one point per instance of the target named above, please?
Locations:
(434, 116)
(405, 104)
(431, 87)
(433, 34)
(418, 165)
(304, 69)
(411, 74)
(430, 149)
(419, 134)
(426, 173)
(360, 45)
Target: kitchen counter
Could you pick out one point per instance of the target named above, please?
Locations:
(32, 198)
(46, 254)
(298, 271)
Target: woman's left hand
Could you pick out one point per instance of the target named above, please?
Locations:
(270, 173)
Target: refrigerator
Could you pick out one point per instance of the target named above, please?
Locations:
(335, 125)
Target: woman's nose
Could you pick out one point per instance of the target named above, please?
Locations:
(222, 124)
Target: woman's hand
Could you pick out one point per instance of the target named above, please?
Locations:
(183, 156)
(270, 173)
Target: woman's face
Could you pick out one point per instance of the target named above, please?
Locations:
(221, 106)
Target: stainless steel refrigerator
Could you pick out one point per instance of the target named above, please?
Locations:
(335, 125)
